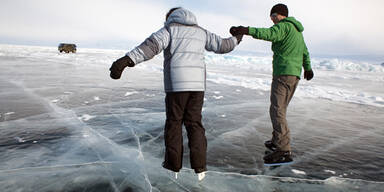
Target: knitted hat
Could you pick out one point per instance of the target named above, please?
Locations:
(280, 9)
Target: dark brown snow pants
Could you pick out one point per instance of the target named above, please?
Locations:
(282, 90)
(184, 107)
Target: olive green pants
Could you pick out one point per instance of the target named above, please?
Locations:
(282, 90)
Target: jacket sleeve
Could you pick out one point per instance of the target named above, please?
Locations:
(219, 45)
(152, 46)
(273, 34)
(306, 59)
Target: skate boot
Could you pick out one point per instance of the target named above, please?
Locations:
(201, 176)
(269, 145)
(200, 173)
(277, 158)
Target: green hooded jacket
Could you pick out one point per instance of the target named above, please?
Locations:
(290, 53)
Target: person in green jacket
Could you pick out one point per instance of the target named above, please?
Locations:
(290, 55)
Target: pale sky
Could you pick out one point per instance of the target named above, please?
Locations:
(333, 27)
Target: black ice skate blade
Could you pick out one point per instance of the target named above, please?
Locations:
(270, 168)
(277, 164)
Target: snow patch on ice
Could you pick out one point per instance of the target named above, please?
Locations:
(330, 171)
(218, 97)
(248, 63)
(20, 140)
(338, 94)
(130, 93)
(345, 65)
(86, 117)
(298, 172)
(241, 81)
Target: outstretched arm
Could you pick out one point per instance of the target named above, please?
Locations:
(152, 46)
(273, 34)
(219, 45)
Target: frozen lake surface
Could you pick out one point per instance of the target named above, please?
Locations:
(66, 126)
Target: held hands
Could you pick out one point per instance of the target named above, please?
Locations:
(239, 30)
(308, 75)
(119, 65)
(239, 38)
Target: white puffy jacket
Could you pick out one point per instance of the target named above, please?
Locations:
(184, 43)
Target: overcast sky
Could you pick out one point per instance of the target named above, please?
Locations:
(331, 27)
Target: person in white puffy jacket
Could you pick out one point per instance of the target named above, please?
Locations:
(184, 44)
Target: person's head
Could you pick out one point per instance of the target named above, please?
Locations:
(278, 13)
(170, 12)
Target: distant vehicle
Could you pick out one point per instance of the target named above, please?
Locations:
(66, 47)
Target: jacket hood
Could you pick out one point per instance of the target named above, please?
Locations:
(181, 16)
(295, 22)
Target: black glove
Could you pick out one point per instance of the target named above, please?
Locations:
(239, 38)
(240, 30)
(308, 75)
(119, 65)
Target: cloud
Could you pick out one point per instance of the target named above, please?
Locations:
(80, 20)
(342, 27)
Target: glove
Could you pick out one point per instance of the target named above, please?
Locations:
(239, 38)
(240, 30)
(308, 75)
(119, 65)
